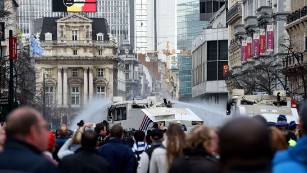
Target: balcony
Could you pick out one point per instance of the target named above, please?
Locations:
(75, 43)
(250, 22)
(239, 30)
(234, 13)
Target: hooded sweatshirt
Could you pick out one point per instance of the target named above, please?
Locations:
(292, 160)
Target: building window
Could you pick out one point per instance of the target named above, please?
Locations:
(127, 66)
(74, 35)
(223, 50)
(212, 50)
(100, 92)
(100, 72)
(74, 72)
(305, 43)
(75, 96)
(49, 96)
(49, 72)
(99, 52)
(211, 71)
(100, 37)
(48, 36)
(75, 52)
(127, 76)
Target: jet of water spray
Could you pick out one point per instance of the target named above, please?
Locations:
(96, 111)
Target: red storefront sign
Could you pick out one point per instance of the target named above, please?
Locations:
(13, 48)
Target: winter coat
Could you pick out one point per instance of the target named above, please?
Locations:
(84, 160)
(120, 157)
(158, 161)
(19, 156)
(145, 158)
(292, 160)
(195, 161)
(68, 149)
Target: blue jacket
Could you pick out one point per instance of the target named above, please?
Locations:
(120, 157)
(292, 160)
(22, 157)
(61, 140)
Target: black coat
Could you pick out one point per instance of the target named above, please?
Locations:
(19, 156)
(195, 161)
(84, 160)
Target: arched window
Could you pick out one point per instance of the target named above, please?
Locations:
(99, 36)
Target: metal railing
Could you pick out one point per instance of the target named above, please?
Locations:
(234, 11)
(297, 15)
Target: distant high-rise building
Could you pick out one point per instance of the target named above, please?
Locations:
(119, 14)
(189, 25)
(162, 24)
(209, 7)
(141, 25)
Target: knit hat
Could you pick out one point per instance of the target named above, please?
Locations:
(51, 141)
(282, 121)
(292, 125)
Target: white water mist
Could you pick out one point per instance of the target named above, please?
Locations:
(96, 111)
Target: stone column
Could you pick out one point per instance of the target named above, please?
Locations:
(65, 90)
(59, 97)
(85, 86)
(91, 84)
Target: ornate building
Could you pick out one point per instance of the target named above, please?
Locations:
(294, 66)
(80, 62)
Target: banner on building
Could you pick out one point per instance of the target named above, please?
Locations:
(13, 48)
(249, 42)
(262, 41)
(256, 44)
(74, 5)
(244, 51)
(270, 38)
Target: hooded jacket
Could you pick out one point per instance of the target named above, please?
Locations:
(292, 160)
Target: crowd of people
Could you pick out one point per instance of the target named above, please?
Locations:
(241, 145)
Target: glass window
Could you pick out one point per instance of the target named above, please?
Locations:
(212, 50)
(127, 76)
(100, 92)
(49, 72)
(208, 7)
(75, 52)
(223, 50)
(211, 71)
(99, 52)
(75, 96)
(49, 96)
(74, 72)
(127, 66)
(100, 72)
(74, 35)
(215, 6)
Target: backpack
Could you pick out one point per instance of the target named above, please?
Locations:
(150, 150)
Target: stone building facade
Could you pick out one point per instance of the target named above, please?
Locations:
(294, 65)
(79, 63)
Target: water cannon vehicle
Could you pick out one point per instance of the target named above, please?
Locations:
(141, 114)
(269, 106)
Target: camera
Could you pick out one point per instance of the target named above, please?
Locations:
(81, 123)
